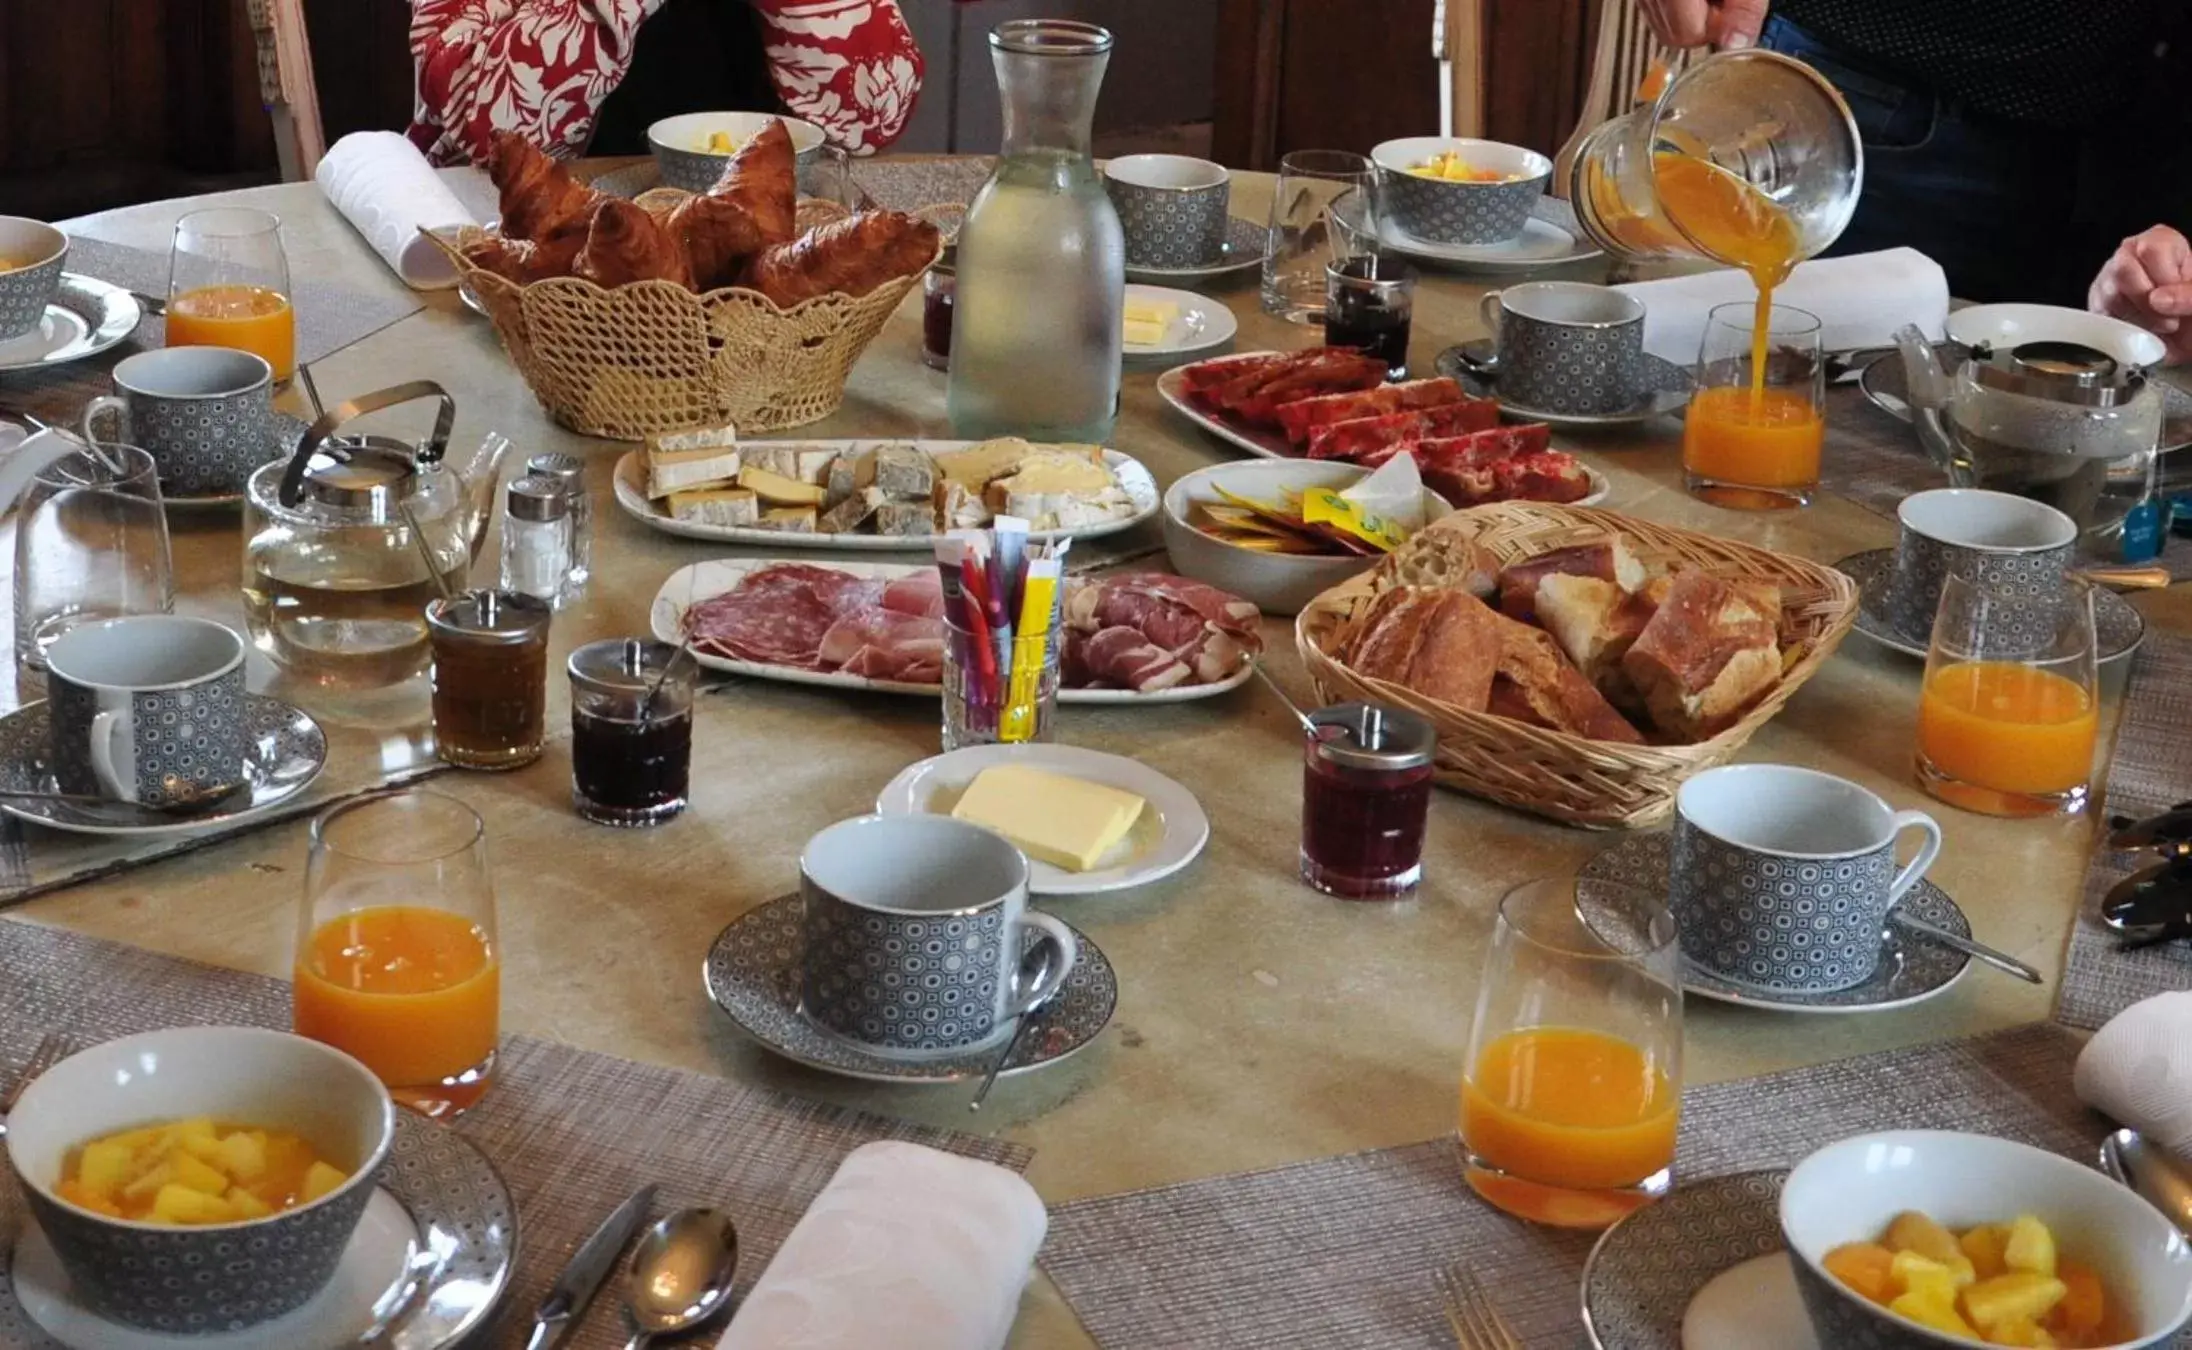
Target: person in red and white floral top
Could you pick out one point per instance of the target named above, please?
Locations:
(588, 76)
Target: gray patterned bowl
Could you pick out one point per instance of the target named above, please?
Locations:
(1441, 211)
(1849, 1192)
(678, 144)
(219, 1277)
(31, 256)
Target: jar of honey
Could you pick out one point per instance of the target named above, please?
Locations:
(1366, 791)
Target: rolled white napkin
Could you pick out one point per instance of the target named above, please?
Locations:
(907, 1248)
(385, 187)
(2137, 1070)
(1860, 301)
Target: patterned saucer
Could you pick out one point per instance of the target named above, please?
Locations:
(287, 432)
(86, 317)
(1244, 248)
(2118, 629)
(1646, 1272)
(1550, 238)
(1911, 970)
(285, 751)
(432, 1257)
(752, 974)
(1666, 392)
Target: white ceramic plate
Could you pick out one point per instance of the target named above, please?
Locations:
(1171, 831)
(631, 494)
(1550, 239)
(1202, 325)
(689, 585)
(86, 317)
(2014, 325)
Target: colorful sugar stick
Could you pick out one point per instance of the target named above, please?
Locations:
(1032, 653)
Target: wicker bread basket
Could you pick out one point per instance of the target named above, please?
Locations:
(1599, 784)
(653, 356)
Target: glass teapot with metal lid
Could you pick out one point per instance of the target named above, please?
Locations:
(347, 540)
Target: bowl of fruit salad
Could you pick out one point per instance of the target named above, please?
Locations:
(691, 149)
(1928, 1239)
(1453, 190)
(199, 1179)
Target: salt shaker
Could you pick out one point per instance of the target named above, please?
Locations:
(570, 471)
(536, 538)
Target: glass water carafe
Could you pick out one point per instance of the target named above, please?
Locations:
(1037, 324)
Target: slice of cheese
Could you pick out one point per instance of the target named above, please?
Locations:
(977, 464)
(778, 490)
(790, 519)
(1046, 481)
(800, 463)
(682, 460)
(715, 506)
(1066, 822)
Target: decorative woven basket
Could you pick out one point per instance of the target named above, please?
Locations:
(1598, 784)
(654, 357)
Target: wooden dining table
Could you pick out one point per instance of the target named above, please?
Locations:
(1259, 1023)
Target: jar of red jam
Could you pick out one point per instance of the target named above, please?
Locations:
(938, 289)
(1366, 788)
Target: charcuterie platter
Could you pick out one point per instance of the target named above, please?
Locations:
(1132, 638)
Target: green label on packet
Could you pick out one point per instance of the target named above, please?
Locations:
(1325, 506)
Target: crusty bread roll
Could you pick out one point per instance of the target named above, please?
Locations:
(1535, 683)
(1608, 559)
(1439, 643)
(1709, 652)
(1436, 556)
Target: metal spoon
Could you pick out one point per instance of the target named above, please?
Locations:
(1979, 951)
(680, 1274)
(1030, 1009)
(1291, 705)
(2147, 1170)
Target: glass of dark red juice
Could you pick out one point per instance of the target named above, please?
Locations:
(1369, 303)
(938, 291)
(1366, 790)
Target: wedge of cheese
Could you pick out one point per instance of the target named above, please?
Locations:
(1066, 822)
(976, 465)
(680, 460)
(715, 506)
(778, 490)
(800, 463)
(1048, 483)
(790, 519)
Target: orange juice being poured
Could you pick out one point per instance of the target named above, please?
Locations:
(414, 993)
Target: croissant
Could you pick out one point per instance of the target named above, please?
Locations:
(625, 245)
(851, 256)
(538, 195)
(762, 176)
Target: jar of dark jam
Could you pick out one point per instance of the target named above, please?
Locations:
(937, 291)
(631, 731)
(1366, 789)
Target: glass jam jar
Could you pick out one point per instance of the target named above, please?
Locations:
(1366, 789)
(938, 290)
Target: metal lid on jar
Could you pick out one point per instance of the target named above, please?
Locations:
(2064, 372)
(1368, 736)
(371, 474)
(536, 497)
(568, 470)
(624, 665)
(494, 617)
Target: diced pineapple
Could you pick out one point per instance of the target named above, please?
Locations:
(197, 1127)
(1915, 1274)
(243, 1155)
(2030, 1248)
(2018, 1331)
(83, 1197)
(1937, 1313)
(181, 1204)
(320, 1179)
(149, 1181)
(1914, 1232)
(2085, 1303)
(199, 1176)
(1866, 1267)
(247, 1205)
(105, 1167)
(1983, 1246)
(2018, 1294)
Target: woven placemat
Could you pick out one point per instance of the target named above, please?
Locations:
(329, 318)
(2150, 770)
(572, 1132)
(1341, 1251)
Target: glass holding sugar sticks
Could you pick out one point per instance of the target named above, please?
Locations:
(1003, 637)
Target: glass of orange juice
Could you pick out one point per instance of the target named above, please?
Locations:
(228, 286)
(1756, 424)
(1574, 1081)
(2010, 708)
(396, 956)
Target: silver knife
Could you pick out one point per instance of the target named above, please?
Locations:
(574, 1289)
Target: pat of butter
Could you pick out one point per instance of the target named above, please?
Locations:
(1145, 332)
(1147, 321)
(1066, 822)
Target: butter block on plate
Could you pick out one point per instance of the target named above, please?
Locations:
(1147, 321)
(1066, 822)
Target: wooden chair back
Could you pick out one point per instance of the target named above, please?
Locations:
(1626, 50)
(286, 86)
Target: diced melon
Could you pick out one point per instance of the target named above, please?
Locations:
(2030, 1248)
(1983, 1247)
(243, 1155)
(2085, 1303)
(1929, 1311)
(247, 1205)
(199, 1176)
(181, 1204)
(320, 1179)
(149, 1181)
(1915, 1232)
(2018, 1294)
(1865, 1267)
(104, 1167)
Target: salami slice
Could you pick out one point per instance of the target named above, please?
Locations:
(779, 615)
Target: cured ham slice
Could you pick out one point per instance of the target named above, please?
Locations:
(1360, 436)
(921, 593)
(1229, 613)
(882, 643)
(1296, 417)
(1255, 398)
(1119, 657)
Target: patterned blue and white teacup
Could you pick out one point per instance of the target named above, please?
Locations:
(1782, 878)
(916, 935)
(1172, 209)
(204, 414)
(2017, 549)
(1567, 347)
(147, 708)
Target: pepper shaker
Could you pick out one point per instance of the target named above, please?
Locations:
(570, 471)
(536, 538)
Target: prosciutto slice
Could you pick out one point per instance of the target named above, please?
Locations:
(922, 593)
(1360, 436)
(882, 644)
(1119, 657)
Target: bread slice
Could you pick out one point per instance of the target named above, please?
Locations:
(1442, 557)
(1608, 559)
(1708, 653)
(1534, 683)
(1385, 648)
(1593, 620)
(1456, 653)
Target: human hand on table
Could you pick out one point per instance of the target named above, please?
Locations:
(1682, 24)
(2149, 282)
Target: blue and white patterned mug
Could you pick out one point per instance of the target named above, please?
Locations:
(916, 935)
(1567, 347)
(1782, 878)
(2017, 549)
(1172, 209)
(204, 414)
(147, 708)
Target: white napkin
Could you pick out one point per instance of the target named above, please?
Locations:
(1860, 301)
(2137, 1070)
(385, 187)
(907, 1248)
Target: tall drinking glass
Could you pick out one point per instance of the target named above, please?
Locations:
(1752, 437)
(1323, 211)
(1574, 1081)
(90, 544)
(2010, 710)
(397, 962)
(228, 286)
